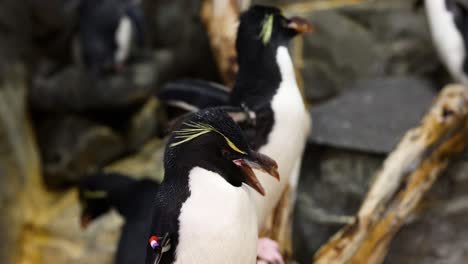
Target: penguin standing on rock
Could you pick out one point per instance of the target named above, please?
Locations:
(133, 200)
(266, 85)
(204, 211)
(448, 20)
(108, 30)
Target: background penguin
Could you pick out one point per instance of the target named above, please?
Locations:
(448, 20)
(108, 28)
(204, 204)
(133, 200)
(266, 84)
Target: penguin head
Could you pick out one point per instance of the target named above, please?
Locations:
(210, 139)
(265, 27)
(97, 194)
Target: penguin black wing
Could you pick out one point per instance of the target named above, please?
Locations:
(165, 212)
(132, 243)
(192, 95)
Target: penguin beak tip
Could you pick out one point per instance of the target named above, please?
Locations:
(300, 25)
(260, 162)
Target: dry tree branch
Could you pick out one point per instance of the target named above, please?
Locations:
(220, 18)
(406, 176)
(309, 6)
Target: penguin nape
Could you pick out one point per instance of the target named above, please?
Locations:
(133, 199)
(108, 30)
(204, 205)
(448, 21)
(266, 84)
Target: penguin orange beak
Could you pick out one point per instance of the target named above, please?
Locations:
(300, 25)
(85, 221)
(260, 162)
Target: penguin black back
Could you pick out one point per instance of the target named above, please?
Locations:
(259, 74)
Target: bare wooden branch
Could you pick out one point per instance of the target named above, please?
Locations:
(406, 176)
(221, 19)
(308, 6)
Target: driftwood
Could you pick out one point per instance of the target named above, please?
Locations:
(278, 225)
(309, 6)
(406, 176)
(220, 18)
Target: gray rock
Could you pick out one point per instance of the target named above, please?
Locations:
(332, 185)
(35, 29)
(176, 26)
(333, 65)
(374, 116)
(72, 146)
(76, 90)
(365, 41)
(143, 124)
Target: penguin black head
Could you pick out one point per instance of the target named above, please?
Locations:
(263, 26)
(97, 194)
(212, 140)
(262, 32)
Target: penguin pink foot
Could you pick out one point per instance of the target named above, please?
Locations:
(268, 252)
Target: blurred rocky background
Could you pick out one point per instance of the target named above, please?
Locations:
(369, 72)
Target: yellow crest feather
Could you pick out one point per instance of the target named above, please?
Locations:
(194, 130)
(267, 29)
(94, 194)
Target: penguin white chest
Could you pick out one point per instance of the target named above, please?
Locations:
(217, 223)
(447, 37)
(123, 38)
(288, 137)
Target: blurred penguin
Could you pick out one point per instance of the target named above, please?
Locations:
(448, 20)
(132, 199)
(109, 29)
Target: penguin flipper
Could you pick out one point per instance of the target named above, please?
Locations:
(132, 243)
(192, 95)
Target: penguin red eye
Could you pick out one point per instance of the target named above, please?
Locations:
(226, 153)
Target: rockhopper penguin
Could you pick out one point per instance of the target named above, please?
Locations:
(266, 84)
(133, 199)
(448, 20)
(204, 205)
